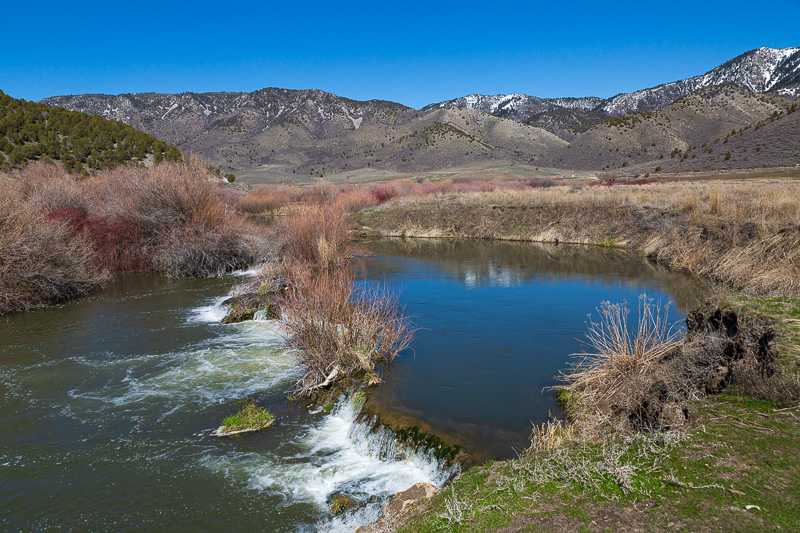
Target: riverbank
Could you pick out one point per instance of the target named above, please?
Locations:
(745, 234)
(732, 467)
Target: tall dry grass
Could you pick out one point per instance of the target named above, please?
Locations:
(618, 352)
(745, 234)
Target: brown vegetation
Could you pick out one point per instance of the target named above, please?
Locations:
(63, 235)
(336, 330)
(745, 234)
(350, 199)
(648, 380)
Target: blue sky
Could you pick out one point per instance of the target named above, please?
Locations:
(410, 52)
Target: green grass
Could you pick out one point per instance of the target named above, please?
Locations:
(251, 417)
(740, 452)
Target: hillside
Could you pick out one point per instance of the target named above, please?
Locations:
(760, 70)
(280, 132)
(80, 141)
(691, 122)
(773, 142)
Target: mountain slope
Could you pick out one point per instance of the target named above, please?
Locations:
(30, 131)
(313, 133)
(770, 143)
(757, 70)
(701, 117)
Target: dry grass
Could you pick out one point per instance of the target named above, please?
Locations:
(618, 353)
(337, 330)
(745, 234)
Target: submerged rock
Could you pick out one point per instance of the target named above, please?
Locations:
(340, 503)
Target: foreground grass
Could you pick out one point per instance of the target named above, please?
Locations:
(739, 453)
(735, 468)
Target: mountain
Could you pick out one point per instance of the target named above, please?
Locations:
(278, 133)
(80, 141)
(760, 70)
(696, 120)
(274, 132)
(517, 106)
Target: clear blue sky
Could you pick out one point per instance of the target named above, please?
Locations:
(410, 52)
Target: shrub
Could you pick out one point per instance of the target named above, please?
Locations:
(72, 233)
(316, 234)
(41, 261)
(336, 330)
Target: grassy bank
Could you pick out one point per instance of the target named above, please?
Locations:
(745, 234)
(736, 469)
(63, 234)
(731, 467)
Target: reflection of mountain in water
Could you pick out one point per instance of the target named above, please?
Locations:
(480, 263)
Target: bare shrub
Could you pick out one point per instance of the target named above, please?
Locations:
(336, 330)
(196, 251)
(71, 233)
(316, 234)
(40, 262)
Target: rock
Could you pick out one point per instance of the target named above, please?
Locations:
(673, 416)
(245, 306)
(402, 503)
(340, 503)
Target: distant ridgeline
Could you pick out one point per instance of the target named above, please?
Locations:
(81, 142)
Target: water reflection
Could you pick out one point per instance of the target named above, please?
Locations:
(498, 321)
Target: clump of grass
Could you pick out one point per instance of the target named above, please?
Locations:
(617, 353)
(549, 436)
(249, 418)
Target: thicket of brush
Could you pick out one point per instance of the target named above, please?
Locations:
(62, 234)
(646, 378)
(336, 329)
(334, 326)
(353, 198)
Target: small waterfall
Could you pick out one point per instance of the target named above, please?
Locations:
(400, 465)
(261, 316)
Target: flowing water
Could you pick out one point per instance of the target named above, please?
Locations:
(108, 403)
